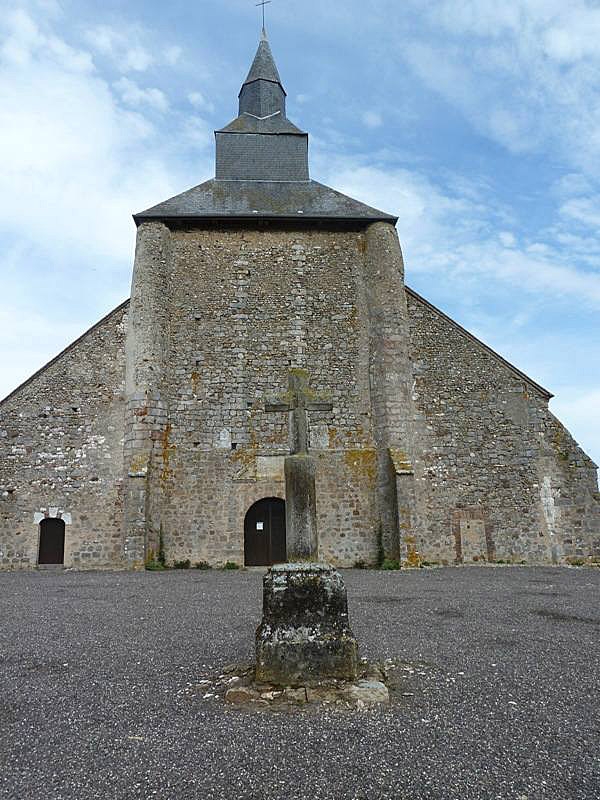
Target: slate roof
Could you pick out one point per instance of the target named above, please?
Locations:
(248, 123)
(264, 67)
(235, 199)
(262, 166)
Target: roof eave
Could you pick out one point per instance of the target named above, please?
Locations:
(263, 133)
(143, 217)
(267, 80)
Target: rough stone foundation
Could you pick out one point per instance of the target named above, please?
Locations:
(305, 634)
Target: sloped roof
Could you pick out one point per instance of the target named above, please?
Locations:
(262, 166)
(264, 67)
(284, 200)
(248, 123)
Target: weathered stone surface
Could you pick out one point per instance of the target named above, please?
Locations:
(270, 695)
(497, 477)
(61, 453)
(229, 348)
(479, 468)
(301, 508)
(368, 692)
(240, 695)
(375, 673)
(295, 695)
(329, 692)
(305, 634)
(321, 694)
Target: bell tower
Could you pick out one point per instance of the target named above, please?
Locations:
(261, 144)
(237, 281)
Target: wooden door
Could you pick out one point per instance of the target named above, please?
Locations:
(264, 533)
(52, 541)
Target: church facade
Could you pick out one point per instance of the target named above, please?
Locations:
(150, 433)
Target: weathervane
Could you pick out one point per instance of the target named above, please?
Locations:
(263, 4)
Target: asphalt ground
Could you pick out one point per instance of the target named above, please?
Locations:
(500, 699)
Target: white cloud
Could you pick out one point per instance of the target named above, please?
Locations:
(16, 49)
(71, 148)
(133, 95)
(584, 210)
(449, 231)
(102, 39)
(198, 132)
(81, 162)
(523, 73)
(483, 18)
(172, 55)
(574, 34)
(372, 119)
(130, 47)
(507, 239)
(137, 58)
(23, 38)
(199, 101)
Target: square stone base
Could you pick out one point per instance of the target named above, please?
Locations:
(305, 635)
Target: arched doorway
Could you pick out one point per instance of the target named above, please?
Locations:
(52, 541)
(264, 533)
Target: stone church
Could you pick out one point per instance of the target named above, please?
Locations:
(150, 432)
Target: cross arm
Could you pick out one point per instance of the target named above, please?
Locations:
(319, 406)
(276, 405)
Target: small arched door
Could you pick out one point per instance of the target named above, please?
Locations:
(264, 533)
(52, 541)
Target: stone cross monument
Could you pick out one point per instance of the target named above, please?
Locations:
(301, 506)
(305, 635)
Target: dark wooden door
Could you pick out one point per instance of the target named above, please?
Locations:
(264, 533)
(52, 541)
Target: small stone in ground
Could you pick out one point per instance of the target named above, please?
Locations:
(240, 695)
(368, 692)
(295, 695)
(375, 673)
(270, 695)
(322, 695)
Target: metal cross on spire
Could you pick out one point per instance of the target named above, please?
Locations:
(263, 3)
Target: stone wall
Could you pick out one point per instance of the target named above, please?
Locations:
(61, 452)
(497, 476)
(238, 308)
(445, 453)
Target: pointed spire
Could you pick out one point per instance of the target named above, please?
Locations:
(262, 93)
(263, 67)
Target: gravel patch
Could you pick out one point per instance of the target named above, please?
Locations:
(496, 695)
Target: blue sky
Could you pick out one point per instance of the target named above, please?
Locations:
(476, 122)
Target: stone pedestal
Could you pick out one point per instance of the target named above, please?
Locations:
(305, 635)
